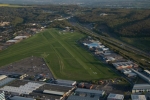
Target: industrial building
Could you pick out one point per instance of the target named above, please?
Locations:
(112, 96)
(147, 72)
(2, 77)
(6, 81)
(20, 37)
(90, 92)
(138, 97)
(141, 88)
(2, 95)
(54, 92)
(124, 65)
(23, 89)
(72, 97)
(65, 82)
(21, 98)
(13, 41)
(141, 75)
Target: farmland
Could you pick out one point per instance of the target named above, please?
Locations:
(64, 56)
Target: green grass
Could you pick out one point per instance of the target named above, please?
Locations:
(65, 58)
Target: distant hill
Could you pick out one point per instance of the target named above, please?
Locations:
(102, 3)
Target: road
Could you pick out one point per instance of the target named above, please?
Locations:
(113, 41)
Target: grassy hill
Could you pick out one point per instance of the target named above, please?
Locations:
(66, 59)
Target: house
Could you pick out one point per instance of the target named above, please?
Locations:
(138, 97)
(112, 96)
(141, 88)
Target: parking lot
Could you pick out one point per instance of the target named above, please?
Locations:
(31, 66)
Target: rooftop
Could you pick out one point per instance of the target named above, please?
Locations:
(141, 86)
(81, 98)
(147, 71)
(60, 81)
(53, 92)
(116, 96)
(20, 98)
(89, 91)
(138, 97)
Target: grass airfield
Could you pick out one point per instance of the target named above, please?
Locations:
(65, 58)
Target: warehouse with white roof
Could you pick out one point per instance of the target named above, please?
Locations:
(147, 72)
(21, 98)
(2, 77)
(141, 88)
(89, 92)
(24, 89)
(112, 96)
(138, 97)
(66, 82)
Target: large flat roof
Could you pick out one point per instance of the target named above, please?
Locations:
(53, 92)
(72, 97)
(89, 91)
(141, 86)
(65, 81)
(20, 98)
(138, 97)
(116, 96)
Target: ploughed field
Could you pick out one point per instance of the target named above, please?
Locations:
(64, 56)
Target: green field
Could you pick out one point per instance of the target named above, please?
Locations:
(66, 59)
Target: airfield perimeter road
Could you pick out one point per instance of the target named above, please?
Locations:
(113, 41)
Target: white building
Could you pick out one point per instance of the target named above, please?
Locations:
(89, 92)
(2, 77)
(20, 37)
(138, 97)
(141, 88)
(66, 82)
(23, 89)
(147, 72)
(21, 98)
(2, 96)
(115, 97)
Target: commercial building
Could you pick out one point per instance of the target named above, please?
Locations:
(66, 82)
(141, 88)
(138, 97)
(2, 77)
(53, 92)
(21, 98)
(124, 65)
(141, 75)
(23, 89)
(6, 81)
(2, 95)
(147, 72)
(13, 41)
(112, 96)
(72, 97)
(90, 92)
(20, 37)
